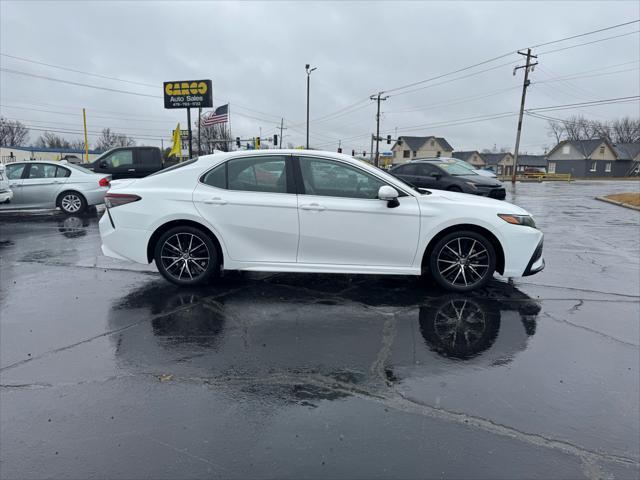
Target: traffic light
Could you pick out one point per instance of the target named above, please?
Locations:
(275, 140)
(257, 143)
(238, 142)
(353, 153)
(388, 139)
(339, 150)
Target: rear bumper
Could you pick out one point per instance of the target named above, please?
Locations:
(96, 196)
(123, 243)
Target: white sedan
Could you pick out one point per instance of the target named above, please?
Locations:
(311, 211)
(38, 184)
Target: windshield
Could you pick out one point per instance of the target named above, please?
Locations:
(455, 169)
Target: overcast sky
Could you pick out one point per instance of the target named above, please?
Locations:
(255, 52)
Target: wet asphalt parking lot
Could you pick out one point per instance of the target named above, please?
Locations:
(108, 371)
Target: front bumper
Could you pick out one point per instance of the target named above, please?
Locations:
(6, 196)
(499, 193)
(536, 264)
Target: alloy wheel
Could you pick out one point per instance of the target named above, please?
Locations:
(185, 256)
(463, 262)
(71, 203)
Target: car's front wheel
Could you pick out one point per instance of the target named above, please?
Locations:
(462, 261)
(186, 255)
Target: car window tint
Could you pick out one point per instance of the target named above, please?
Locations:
(257, 174)
(147, 157)
(14, 172)
(120, 159)
(216, 177)
(333, 179)
(62, 172)
(426, 169)
(42, 170)
(411, 169)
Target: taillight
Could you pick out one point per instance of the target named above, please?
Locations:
(104, 182)
(112, 200)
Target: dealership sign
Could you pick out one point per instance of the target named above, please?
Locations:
(188, 94)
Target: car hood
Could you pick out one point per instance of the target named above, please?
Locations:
(480, 180)
(472, 201)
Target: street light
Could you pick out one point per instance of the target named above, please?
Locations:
(308, 70)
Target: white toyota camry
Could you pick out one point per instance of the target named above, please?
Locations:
(311, 211)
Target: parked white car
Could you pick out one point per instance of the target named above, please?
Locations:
(310, 211)
(38, 184)
(6, 194)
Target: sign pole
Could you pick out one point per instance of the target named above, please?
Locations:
(199, 117)
(189, 123)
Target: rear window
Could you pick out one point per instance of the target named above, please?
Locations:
(176, 166)
(79, 168)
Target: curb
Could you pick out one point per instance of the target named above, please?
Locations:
(615, 202)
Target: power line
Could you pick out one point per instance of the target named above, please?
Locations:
(584, 34)
(68, 69)
(8, 70)
(588, 43)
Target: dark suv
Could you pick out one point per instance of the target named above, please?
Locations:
(446, 175)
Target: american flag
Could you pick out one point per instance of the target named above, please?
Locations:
(219, 115)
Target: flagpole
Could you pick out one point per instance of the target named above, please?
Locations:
(229, 122)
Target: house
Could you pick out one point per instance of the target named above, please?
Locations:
(473, 157)
(531, 162)
(21, 154)
(408, 148)
(593, 158)
(501, 163)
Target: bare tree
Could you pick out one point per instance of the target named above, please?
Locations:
(12, 133)
(215, 137)
(77, 144)
(109, 140)
(51, 140)
(556, 130)
(625, 130)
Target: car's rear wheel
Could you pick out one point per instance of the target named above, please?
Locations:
(186, 255)
(462, 261)
(72, 202)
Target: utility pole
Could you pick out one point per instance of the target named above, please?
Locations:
(378, 98)
(86, 140)
(281, 136)
(525, 84)
(371, 149)
(308, 70)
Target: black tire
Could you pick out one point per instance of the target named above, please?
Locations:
(452, 261)
(454, 188)
(186, 256)
(72, 203)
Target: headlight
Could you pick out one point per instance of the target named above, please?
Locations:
(526, 220)
(472, 185)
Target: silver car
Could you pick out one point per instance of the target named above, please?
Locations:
(38, 184)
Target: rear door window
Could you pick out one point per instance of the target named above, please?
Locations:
(41, 170)
(147, 158)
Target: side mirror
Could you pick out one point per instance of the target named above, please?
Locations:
(389, 195)
(103, 165)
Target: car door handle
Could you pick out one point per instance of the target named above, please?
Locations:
(131, 170)
(313, 206)
(216, 201)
